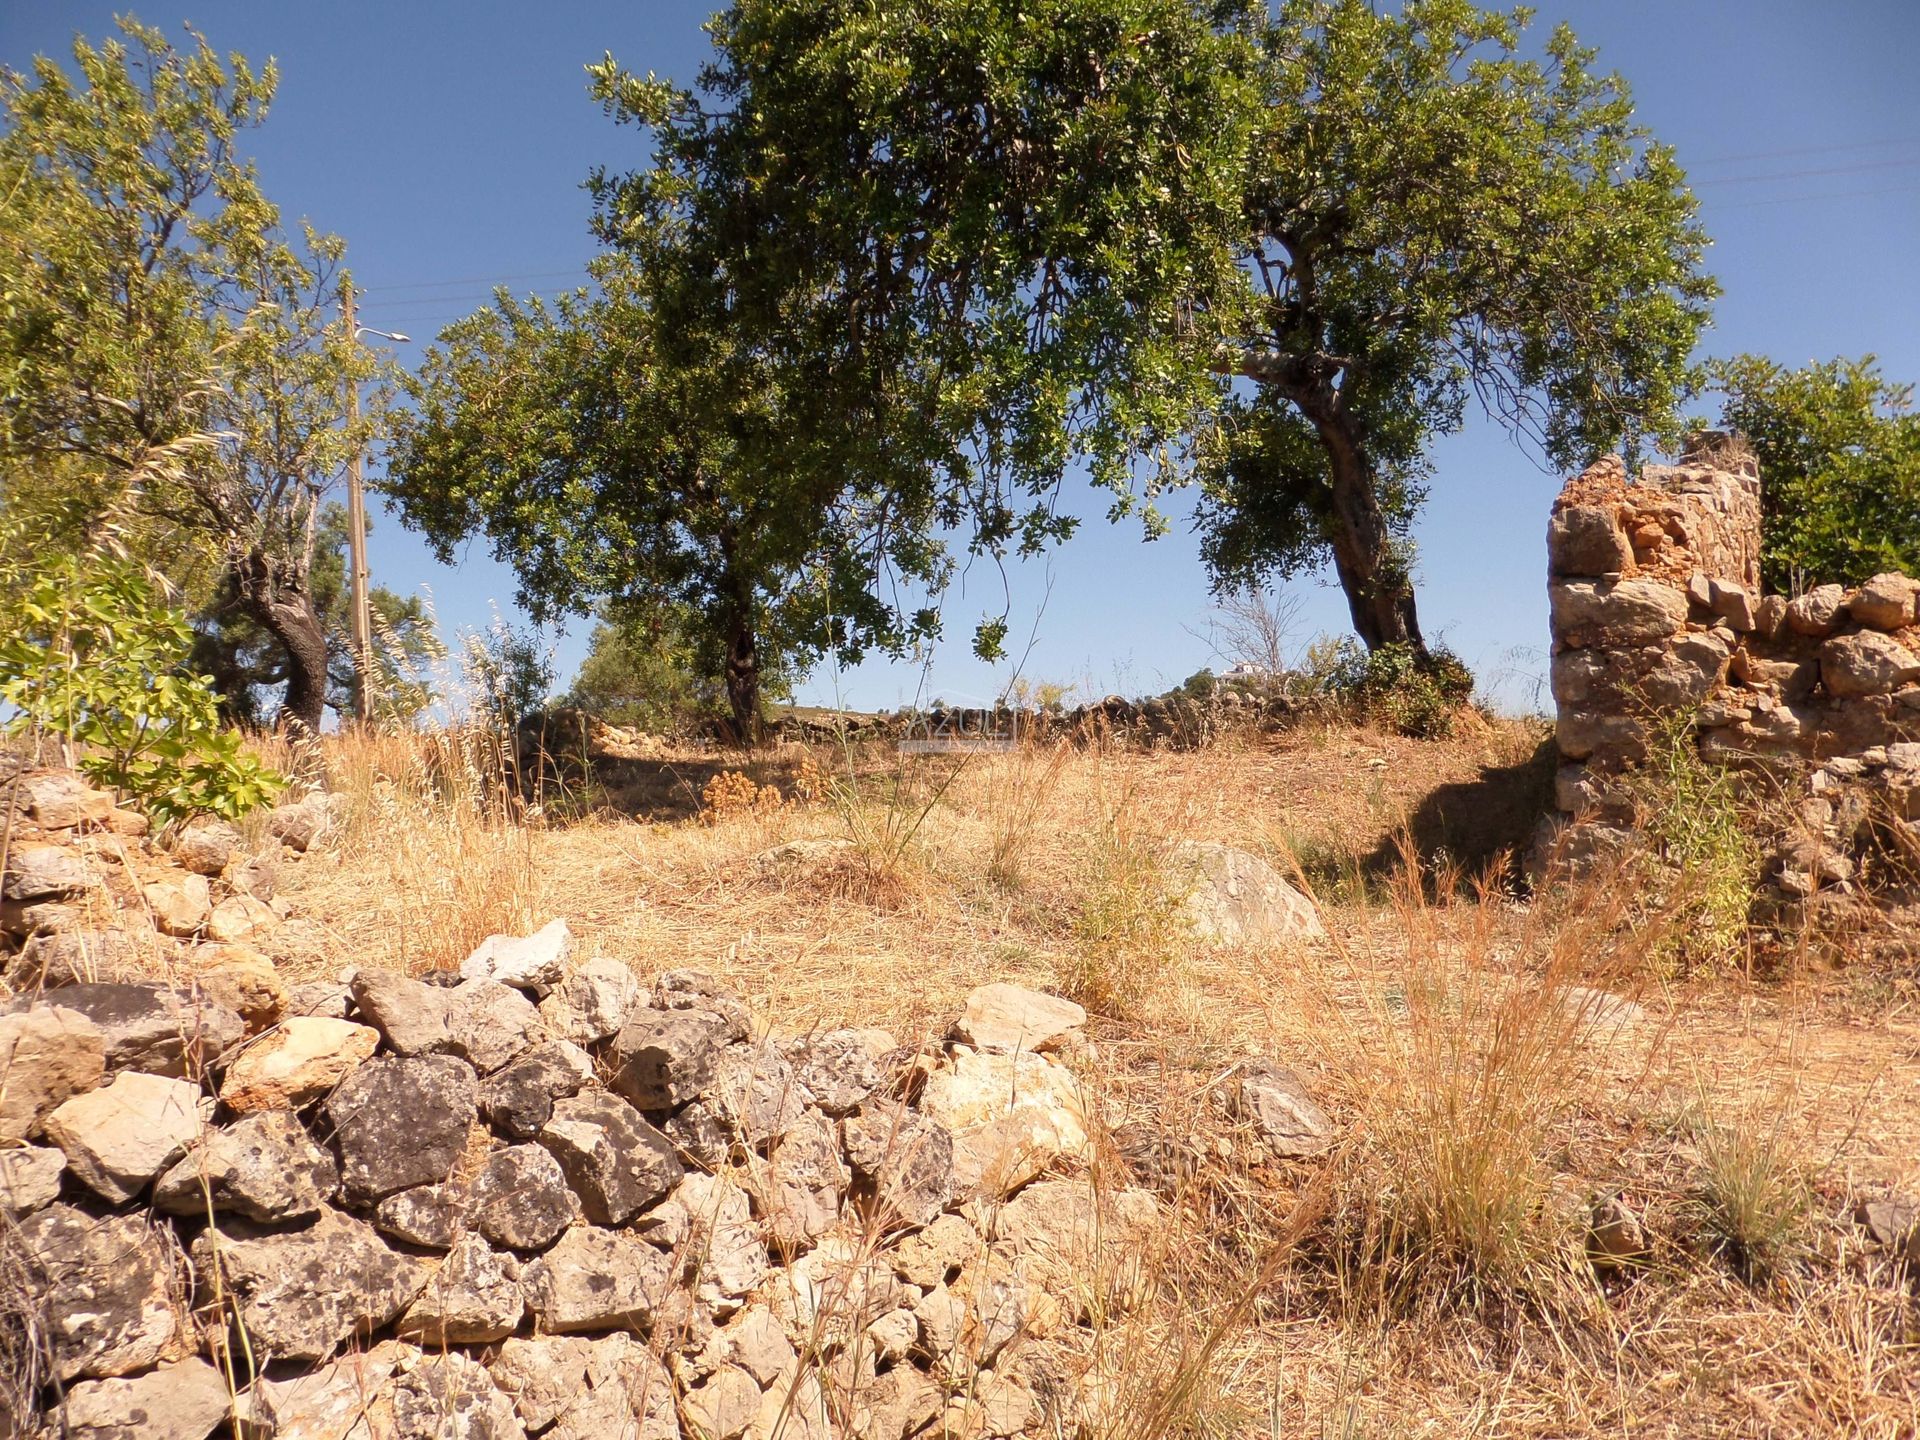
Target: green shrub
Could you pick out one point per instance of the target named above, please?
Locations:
(1395, 686)
(94, 657)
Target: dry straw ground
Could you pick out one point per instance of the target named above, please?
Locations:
(1427, 1277)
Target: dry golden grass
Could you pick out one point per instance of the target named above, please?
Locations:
(1426, 1278)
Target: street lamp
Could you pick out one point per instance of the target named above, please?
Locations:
(357, 525)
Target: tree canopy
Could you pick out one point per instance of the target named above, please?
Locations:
(983, 243)
(172, 367)
(1839, 451)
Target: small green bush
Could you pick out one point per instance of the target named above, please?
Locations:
(93, 656)
(1395, 686)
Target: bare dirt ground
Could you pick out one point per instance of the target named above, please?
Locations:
(1365, 1294)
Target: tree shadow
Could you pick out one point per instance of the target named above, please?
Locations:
(1475, 824)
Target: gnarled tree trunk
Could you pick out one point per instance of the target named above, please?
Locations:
(278, 600)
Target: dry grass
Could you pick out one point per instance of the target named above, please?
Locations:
(1425, 1279)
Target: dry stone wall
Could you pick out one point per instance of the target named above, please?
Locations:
(1657, 612)
(539, 1194)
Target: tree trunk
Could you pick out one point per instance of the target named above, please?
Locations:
(280, 604)
(1379, 590)
(743, 681)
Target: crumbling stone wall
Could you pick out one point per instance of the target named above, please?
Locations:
(1657, 610)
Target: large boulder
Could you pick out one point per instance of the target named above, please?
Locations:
(451, 1397)
(411, 1017)
(1869, 663)
(105, 1290)
(154, 1028)
(596, 1279)
(593, 1002)
(243, 980)
(473, 1298)
(1615, 613)
(488, 1023)
(47, 1054)
(180, 902)
(1886, 602)
(520, 1198)
(30, 1178)
(518, 1100)
(1586, 541)
(349, 1399)
(755, 1092)
(59, 800)
(587, 1389)
(1270, 1099)
(1011, 1116)
(730, 1257)
(298, 1062)
(301, 1295)
(184, 1401)
(1008, 1017)
(1229, 897)
(118, 1138)
(534, 962)
(615, 1161)
(45, 872)
(206, 846)
(903, 1160)
(401, 1121)
(662, 1058)
(265, 1167)
(1817, 613)
(805, 1183)
(839, 1069)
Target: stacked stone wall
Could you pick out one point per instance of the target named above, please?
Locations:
(1658, 612)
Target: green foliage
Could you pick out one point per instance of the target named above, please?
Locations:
(1694, 816)
(643, 670)
(510, 671)
(94, 657)
(172, 368)
(1407, 691)
(1839, 453)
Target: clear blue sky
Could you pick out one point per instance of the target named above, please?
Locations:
(447, 141)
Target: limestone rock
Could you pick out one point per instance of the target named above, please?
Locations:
(206, 846)
(184, 1401)
(543, 1376)
(488, 1023)
(726, 1250)
(1886, 602)
(520, 1198)
(724, 1405)
(901, 1401)
(662, 1058)
(1817, 613)
(154, 1028)
(243, 980)
(106, 1288)
(1009, 1017)
(518, 1100)
(754, 1090)
(614, 1160)
(81, 957)
(264, 1167)
(474, 1297)
(936, 1254)
(118, 1138)
(700, 1136)
(696, 990)
(302, 824)
(301, 1060)
(534, 962)
(1271, 1099)
(45, 872)
(47, 1054)
(1011, 1116)
(1586, 540)
(321, 999)
(430, 1216)
(593, 1002)
(400, 1122)
(451, 1397)
(410, 1016)
(942, 1318)
(839, 1069)
(756, 1343)
(1735, 604)
(587, 1389)
(1615, 613)
(805, 1183)
(301, 1295)
(835, 1291)
(1229, 897)
(350, 1399)
(240, 918)
(1868, 663)
(29, 1178)
(59, 799)
(905, 1161)
(181, 903)
(595, 1279)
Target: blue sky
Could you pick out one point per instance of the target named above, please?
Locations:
(447, 141)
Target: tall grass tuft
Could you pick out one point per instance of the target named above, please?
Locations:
(1755, 1195)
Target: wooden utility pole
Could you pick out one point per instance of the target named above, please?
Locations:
(357, 537)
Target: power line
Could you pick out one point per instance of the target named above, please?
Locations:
(472, 280)
(1807, 174)
(1804, 150)
(1813, 199)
